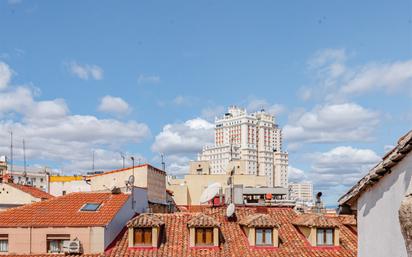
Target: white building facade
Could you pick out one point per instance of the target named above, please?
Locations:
(302, 192)
(254, 138)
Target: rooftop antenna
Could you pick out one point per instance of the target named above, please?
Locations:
(132, 182)
(123, 157)
(163, 162)
(93, 161)
(11, 151)
(24, 158)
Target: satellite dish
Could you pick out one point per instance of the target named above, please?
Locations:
(230, 210)
(131, 180)
(210, 192)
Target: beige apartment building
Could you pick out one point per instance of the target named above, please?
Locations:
(92, 219)
(15, 195)
(145, 176)
(187, 190)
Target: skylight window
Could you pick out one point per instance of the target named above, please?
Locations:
(90, 207)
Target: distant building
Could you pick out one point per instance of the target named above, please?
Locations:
(382, 201)
(62, 185)
(15, 195)
(145, 176)
(94, 219)
(255, 140)
(302, 192)
(34, 176)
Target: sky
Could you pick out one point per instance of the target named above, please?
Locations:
(148, 77)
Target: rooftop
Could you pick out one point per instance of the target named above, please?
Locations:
(125, 169)
(64, 211)
(394, 156)
(33, 191)
(234, 241)
(315, 220)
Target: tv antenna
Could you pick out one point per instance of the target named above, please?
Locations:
(11, 151)
(24, 158)
(123, 158)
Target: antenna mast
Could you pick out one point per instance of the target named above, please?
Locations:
(93, 161)
(163, 162)
(123, 157)
(24, 156)
(11, 151)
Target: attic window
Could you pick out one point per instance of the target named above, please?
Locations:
(324, 236)
(90, 207)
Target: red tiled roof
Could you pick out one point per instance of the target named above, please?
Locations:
(125, 169)
(258, 220)
(64, 211)
(234, 241)
(146, 220)
(202, 220)
(315, 220)
(33, 191)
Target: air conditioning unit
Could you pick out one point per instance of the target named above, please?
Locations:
(71, 246)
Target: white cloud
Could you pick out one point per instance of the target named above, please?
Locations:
(148, 79)
(52, 134)
(296, 175)
(331, 123)
(116, 105)
(211, 112)
(5, 75)
(86, 71)
(387, 76)
(187, 137)
(256, 104)
(335, 81)
(343, 165)
(179, 100)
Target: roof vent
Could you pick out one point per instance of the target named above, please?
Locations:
(116, 190)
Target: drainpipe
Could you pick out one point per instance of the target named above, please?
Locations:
(30, 240)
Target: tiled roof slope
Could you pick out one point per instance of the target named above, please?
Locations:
(234, 241)
(202, 220)
(394, 156)
(146, 220)
(259, 220)
(33, 191)
(64, 211)
(315, 220)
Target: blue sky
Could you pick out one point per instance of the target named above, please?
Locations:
(145, 77)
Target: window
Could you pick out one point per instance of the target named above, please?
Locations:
(263, 236)
(64, 192)
(324, 236)
(55, 243)
(90, 207)
(204, 236)
(4, 243)
(142, 236)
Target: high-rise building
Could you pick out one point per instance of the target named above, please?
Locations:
(252, 139)
(301, 192)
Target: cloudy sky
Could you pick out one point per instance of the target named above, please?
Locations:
(148, 77)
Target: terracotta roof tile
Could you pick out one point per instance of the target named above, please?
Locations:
(347, 220)
(64, 211)
(258, 220)
(234, 242)
(203, 221)
(315, 220)
(33, 191)
(146, 220)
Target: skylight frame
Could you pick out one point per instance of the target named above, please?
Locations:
(87, 207)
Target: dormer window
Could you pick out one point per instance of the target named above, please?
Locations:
(264, 236)
(204, 236)
(142, 237)
(203, 231)
(145, 231)
(324, 237)
(261, 230)
(319, 230)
